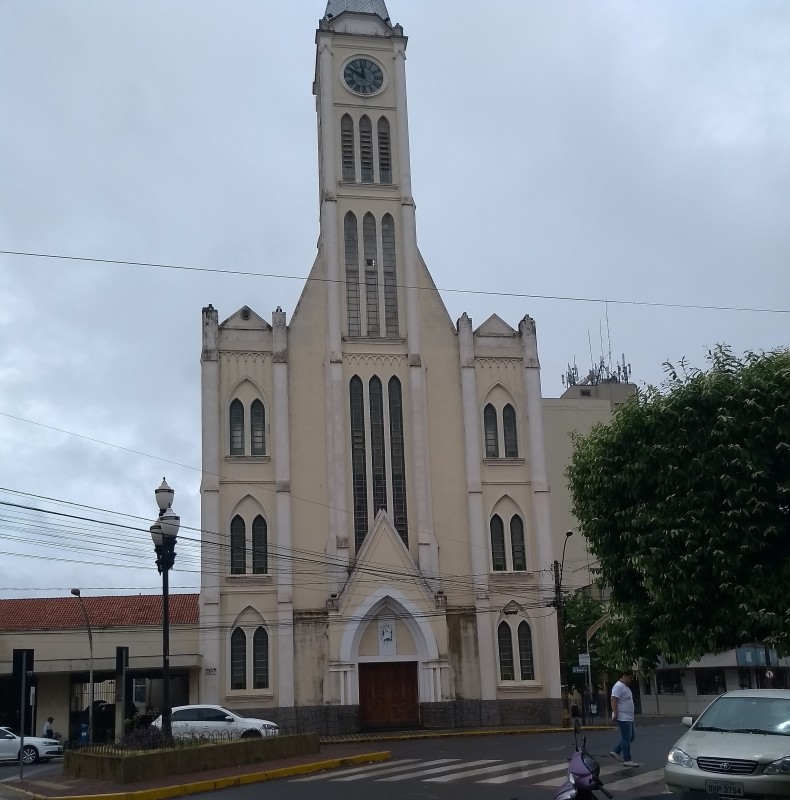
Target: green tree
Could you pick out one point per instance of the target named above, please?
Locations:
(684, 498)
(581, 612)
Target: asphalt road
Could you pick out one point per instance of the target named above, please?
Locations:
(480, 768)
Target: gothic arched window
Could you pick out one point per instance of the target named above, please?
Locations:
(260, 546)
(398, 460)
(236, 428)
(260, 659)
(385, 158)
(517, 545)
(347, 148)
(366, 149)
(525, 659)
(238, 546)
(491, 433)
(371, 275)
(377, 457)
(257, 428)
(352, 274)
(358, 460)
(390, 277)
(509, 426)
(238, 659)
(498, 559)
(507, 670)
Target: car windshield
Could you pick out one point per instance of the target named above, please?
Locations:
(758, 715)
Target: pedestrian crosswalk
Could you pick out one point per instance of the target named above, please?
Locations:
(536, 772)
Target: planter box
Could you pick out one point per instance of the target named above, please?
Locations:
(131, 767)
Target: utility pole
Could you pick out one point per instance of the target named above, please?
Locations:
(561, 642)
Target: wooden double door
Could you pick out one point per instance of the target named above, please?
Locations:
(388, 695)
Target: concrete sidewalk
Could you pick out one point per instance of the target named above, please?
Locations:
(336, 751)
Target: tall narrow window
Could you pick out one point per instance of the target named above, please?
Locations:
(398, 461)
(385, 159)
(238, 549)
(260, 546)
(526, 662)
(347, 148)
(366, 150)
(358, 461)
(517, 546)
(390, 278)
(352, 275)
(506, 666)
(257, 428)
(238, 659)
(260, 659)
(371, 275)
(236, 428)
(498, 560)
(509, 425)
(377, 457)
(491, 433)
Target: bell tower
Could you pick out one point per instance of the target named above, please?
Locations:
(368, 233)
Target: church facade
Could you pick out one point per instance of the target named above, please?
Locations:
(377, 543)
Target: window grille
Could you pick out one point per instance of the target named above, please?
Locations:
(526, 662)
(352, 275)
(260, 546)
(371, 275)
(385, 160)
(390, 277)
(238, 659)
(398, 461)
(509, 425)
(358, 461)
(366, 149)
(498, 559)
(347, 148)
(379, 470)
(238, 546)
(260, 659)
(506, 666)
(491, 433)
(517, 545)
(257, 428)
(236, 428)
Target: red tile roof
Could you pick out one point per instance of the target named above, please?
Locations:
(111, 611)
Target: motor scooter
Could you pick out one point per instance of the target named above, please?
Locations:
(584, 773)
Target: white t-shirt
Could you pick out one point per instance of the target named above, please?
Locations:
(625, 702)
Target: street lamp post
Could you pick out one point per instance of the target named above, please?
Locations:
(76, 593)
(559, 566)
(164, 532)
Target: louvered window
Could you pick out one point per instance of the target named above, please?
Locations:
(352, 275)
(390, 277)
(498, 559)
(385, 160)
(491, 433)
(398, 461)
(236, 428)
(509, 425)
(517, 545)
(358, 461)
(371, 275)
(260, 546)
(347, 148)
(257, 428)
(238, 546)
(506, 666)
(238, 659)
(526, 661)
(366, 149)
(260, 659)
(379, 471)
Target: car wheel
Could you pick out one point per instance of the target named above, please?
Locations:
(29, 754)
(251, 735)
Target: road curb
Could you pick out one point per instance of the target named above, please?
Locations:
(164, 792)
(456, 732)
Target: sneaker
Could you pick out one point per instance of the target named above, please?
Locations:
(616, 756)
(631, 764)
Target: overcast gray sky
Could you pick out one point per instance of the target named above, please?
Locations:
(632, 151)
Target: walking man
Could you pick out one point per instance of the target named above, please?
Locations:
(48, 732)
(623, 715)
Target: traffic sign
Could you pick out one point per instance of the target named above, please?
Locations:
(584, 659)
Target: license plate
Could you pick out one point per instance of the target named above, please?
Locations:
(724, 788)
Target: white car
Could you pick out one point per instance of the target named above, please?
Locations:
(738, 747)
(213, 722)
(34, 749)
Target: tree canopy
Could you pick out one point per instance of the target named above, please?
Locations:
(684, 498)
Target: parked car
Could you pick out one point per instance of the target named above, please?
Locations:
(739, 746)
(216, 721)
(35, 748)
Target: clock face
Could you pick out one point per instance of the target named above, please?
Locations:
(363, 76)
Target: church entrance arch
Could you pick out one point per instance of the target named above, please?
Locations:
(388, 695)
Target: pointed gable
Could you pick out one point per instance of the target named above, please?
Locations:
(495, 326)
(246, 319)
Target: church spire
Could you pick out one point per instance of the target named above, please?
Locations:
(377, 7)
